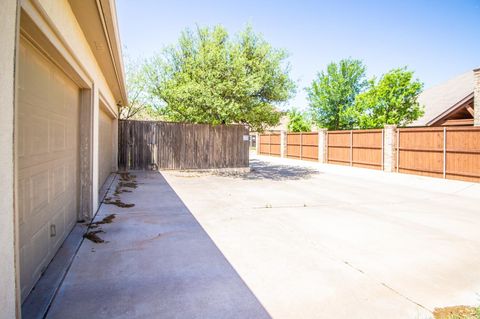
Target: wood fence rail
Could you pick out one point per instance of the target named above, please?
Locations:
(269, 144)
(152, 145)
(445, 152)
(359, 148)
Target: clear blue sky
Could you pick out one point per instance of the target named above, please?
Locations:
(437, 39)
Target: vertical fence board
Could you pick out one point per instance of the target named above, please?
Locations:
(148, 145)
(270, 144)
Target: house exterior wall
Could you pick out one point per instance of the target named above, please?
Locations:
(8, 38)
(52, 27)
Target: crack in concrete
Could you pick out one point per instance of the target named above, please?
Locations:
(333, 257)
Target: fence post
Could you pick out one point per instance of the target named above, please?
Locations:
(351, 148)
(257, 143)
(389, 148)
(476, 97)
(283, 144)
(269, 144)
(301, 146)
(383, 152)
(322, 145)
(444, 152)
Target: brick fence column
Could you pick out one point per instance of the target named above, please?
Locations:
(322, 145)
(476, 97)
(283, 144)
(389, 140)
(257, 143)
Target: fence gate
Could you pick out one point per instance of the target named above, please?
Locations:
(152, 145)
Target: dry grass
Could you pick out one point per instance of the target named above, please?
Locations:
(457, 312)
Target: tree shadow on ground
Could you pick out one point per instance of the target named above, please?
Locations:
(276, 172)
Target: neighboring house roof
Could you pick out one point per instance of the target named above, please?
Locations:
(442, 99)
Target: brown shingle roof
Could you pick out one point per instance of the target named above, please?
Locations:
(440, 98)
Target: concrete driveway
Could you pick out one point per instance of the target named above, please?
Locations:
(325, 241)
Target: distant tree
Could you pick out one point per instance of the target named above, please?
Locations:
(390, 100)
(332, 94)
(210, 78)
(298, 121)
(140, 104)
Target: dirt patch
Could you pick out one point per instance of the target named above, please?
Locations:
(92, 235)
(126, 176)
(122, 184)
(106, 220)
(117, 202)
(457, 312)
(126, 181)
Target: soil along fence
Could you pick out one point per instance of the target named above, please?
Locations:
(149, 145)
(445, 152)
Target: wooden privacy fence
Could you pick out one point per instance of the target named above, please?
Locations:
(302, 146)
(149, 145)
(448, 152)
(445, 152)
(360, 148)
(270, 144)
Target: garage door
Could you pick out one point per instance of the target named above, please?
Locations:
(47, 161)
(105, 155)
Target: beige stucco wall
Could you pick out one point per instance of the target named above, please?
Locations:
(55, 20)
(8, 22)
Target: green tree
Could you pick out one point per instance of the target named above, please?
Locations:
(298, 121)
(210, 78)
(390, 100)
(140, 104)
(332, 94)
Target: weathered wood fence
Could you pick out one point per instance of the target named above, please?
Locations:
(445, 152)
(149, 145)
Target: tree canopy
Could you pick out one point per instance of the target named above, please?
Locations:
(332, 94)
(341, 98)
(211, 78)
(139, 100)
(390, 100)
(298, 121)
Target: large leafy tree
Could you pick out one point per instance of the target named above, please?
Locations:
(298, 121)
(211, 78)
(332, 94)
(140, 104)
(390, 100)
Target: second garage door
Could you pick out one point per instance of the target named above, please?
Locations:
(105, 150)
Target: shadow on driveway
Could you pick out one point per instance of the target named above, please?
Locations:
(157, 262)
(264, 170)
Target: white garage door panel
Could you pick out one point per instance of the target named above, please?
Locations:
(105, 132)
(47, 161)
